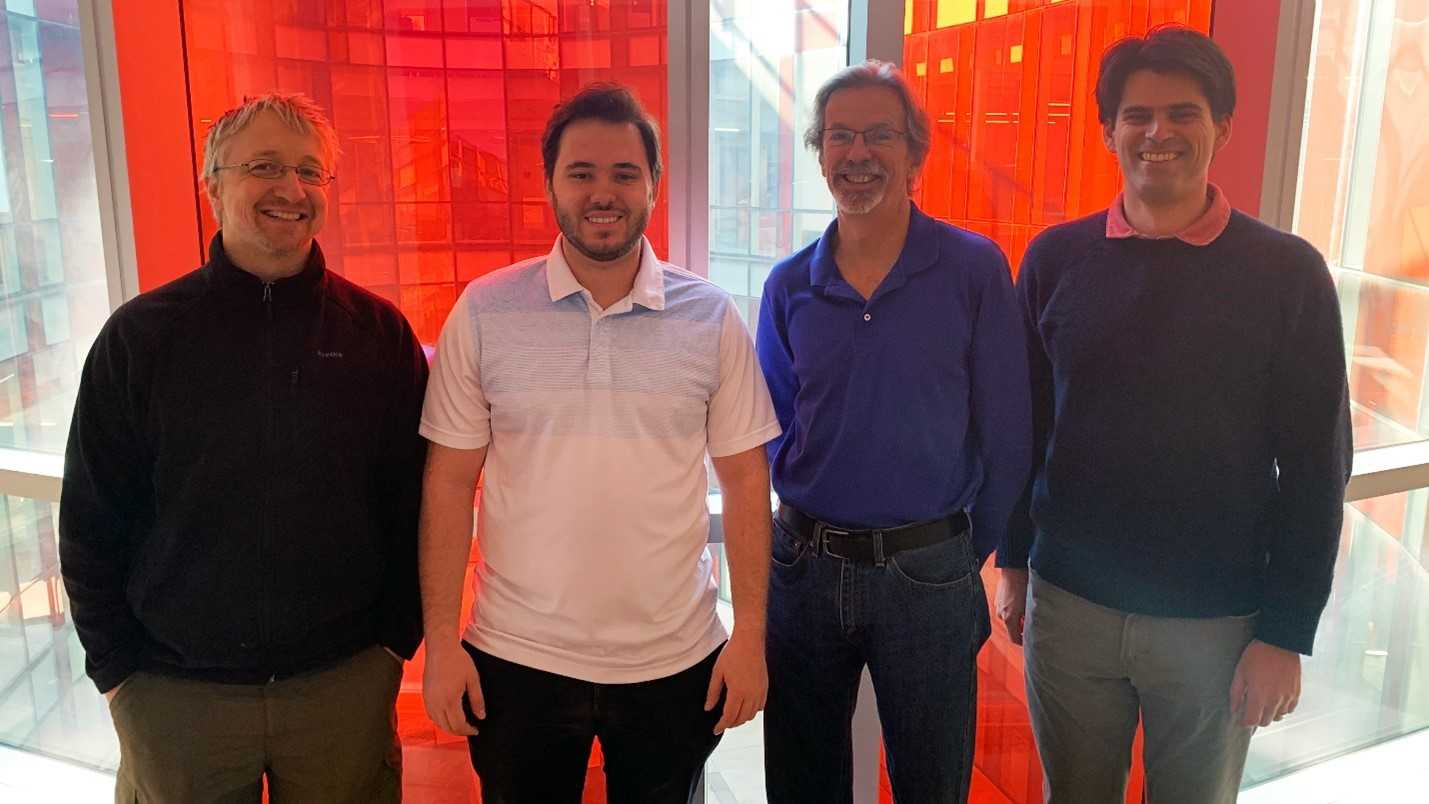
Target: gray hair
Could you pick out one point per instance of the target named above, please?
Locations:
(873, 73)
(298, 111)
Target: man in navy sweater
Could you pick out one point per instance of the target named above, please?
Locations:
(894, 351)
(1192, 437)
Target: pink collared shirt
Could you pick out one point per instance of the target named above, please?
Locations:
(1202, 232)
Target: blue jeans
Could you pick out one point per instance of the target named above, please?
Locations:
(918, 623)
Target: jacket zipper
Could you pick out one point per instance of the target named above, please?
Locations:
(265, 540)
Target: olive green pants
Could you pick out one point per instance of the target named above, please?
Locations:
(1092, 672)
(327, 736)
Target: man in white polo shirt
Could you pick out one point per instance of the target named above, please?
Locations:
(590, 384)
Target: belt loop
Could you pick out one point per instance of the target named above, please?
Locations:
(878, 560)
(816, 543)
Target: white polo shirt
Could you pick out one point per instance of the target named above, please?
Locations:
(592, 525)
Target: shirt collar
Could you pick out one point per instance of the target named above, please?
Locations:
(920, 250)
(1202, 232)
(648, 290)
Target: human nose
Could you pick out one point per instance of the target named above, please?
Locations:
(602, 191)
(1158, 128)
(288, 184)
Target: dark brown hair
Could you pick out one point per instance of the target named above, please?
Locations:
(612, 103)
(1167, 49)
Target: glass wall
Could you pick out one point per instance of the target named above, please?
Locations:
(767, 197)
(53, 292)
(1369, 678)
(1364, 201)
(47, 703)
(439, 107)
(54, 296)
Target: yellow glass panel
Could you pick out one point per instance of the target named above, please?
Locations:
(956, 12)
(945, 66)
(994, 8)
(1016, 54)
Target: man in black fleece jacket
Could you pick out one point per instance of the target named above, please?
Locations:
(239, 511)
(1191, 425)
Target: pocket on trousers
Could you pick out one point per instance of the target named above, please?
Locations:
(122, 691)
(944, 565)
(786, 549)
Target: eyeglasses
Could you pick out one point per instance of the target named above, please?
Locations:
(269, 169)
(877, 137)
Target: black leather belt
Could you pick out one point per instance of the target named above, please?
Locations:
(871, 545)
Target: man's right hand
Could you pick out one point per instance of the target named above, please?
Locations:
(1011, 603)
(449, 674)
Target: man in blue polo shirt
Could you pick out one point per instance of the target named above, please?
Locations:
(895, 355)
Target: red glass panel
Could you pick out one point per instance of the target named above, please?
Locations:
(439, 107)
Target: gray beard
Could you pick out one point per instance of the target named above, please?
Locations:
(860, 202)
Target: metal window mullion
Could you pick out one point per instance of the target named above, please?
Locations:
(688, 124)
(1369, 119)
(875, 30)
(111, 166)
(1289, 107)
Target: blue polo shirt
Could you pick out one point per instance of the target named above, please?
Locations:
(908, 406)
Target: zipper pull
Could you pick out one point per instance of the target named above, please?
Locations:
(267, 292)
(293, 379)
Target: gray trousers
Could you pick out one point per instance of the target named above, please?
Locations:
(1093, 671)
(328, 736)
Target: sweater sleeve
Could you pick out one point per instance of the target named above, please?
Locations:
(399, 491)
(1016, 548)
(104, 496)
(1313, 451)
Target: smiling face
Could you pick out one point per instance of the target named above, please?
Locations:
(1164, 137)
(269, 221)
(863, 178)
(602, 189)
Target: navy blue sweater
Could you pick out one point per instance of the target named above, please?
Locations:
(1191, 424)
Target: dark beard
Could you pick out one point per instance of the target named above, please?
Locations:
(570, 228)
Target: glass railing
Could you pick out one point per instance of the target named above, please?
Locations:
(1369, 678)
(47, 704)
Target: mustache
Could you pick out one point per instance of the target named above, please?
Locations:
(868, 166)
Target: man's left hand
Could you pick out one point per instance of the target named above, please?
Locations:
(741, 673)
(1266, 687)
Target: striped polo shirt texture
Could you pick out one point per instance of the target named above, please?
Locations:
(592, 526)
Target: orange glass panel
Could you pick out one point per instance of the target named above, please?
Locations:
(439, 107)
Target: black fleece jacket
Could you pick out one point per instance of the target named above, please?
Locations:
(243, 477)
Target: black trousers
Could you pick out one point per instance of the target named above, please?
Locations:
(535, 743)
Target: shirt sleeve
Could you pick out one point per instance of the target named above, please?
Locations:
(1001, 407)
(741, 416)
(777, 362)
(456, 413)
